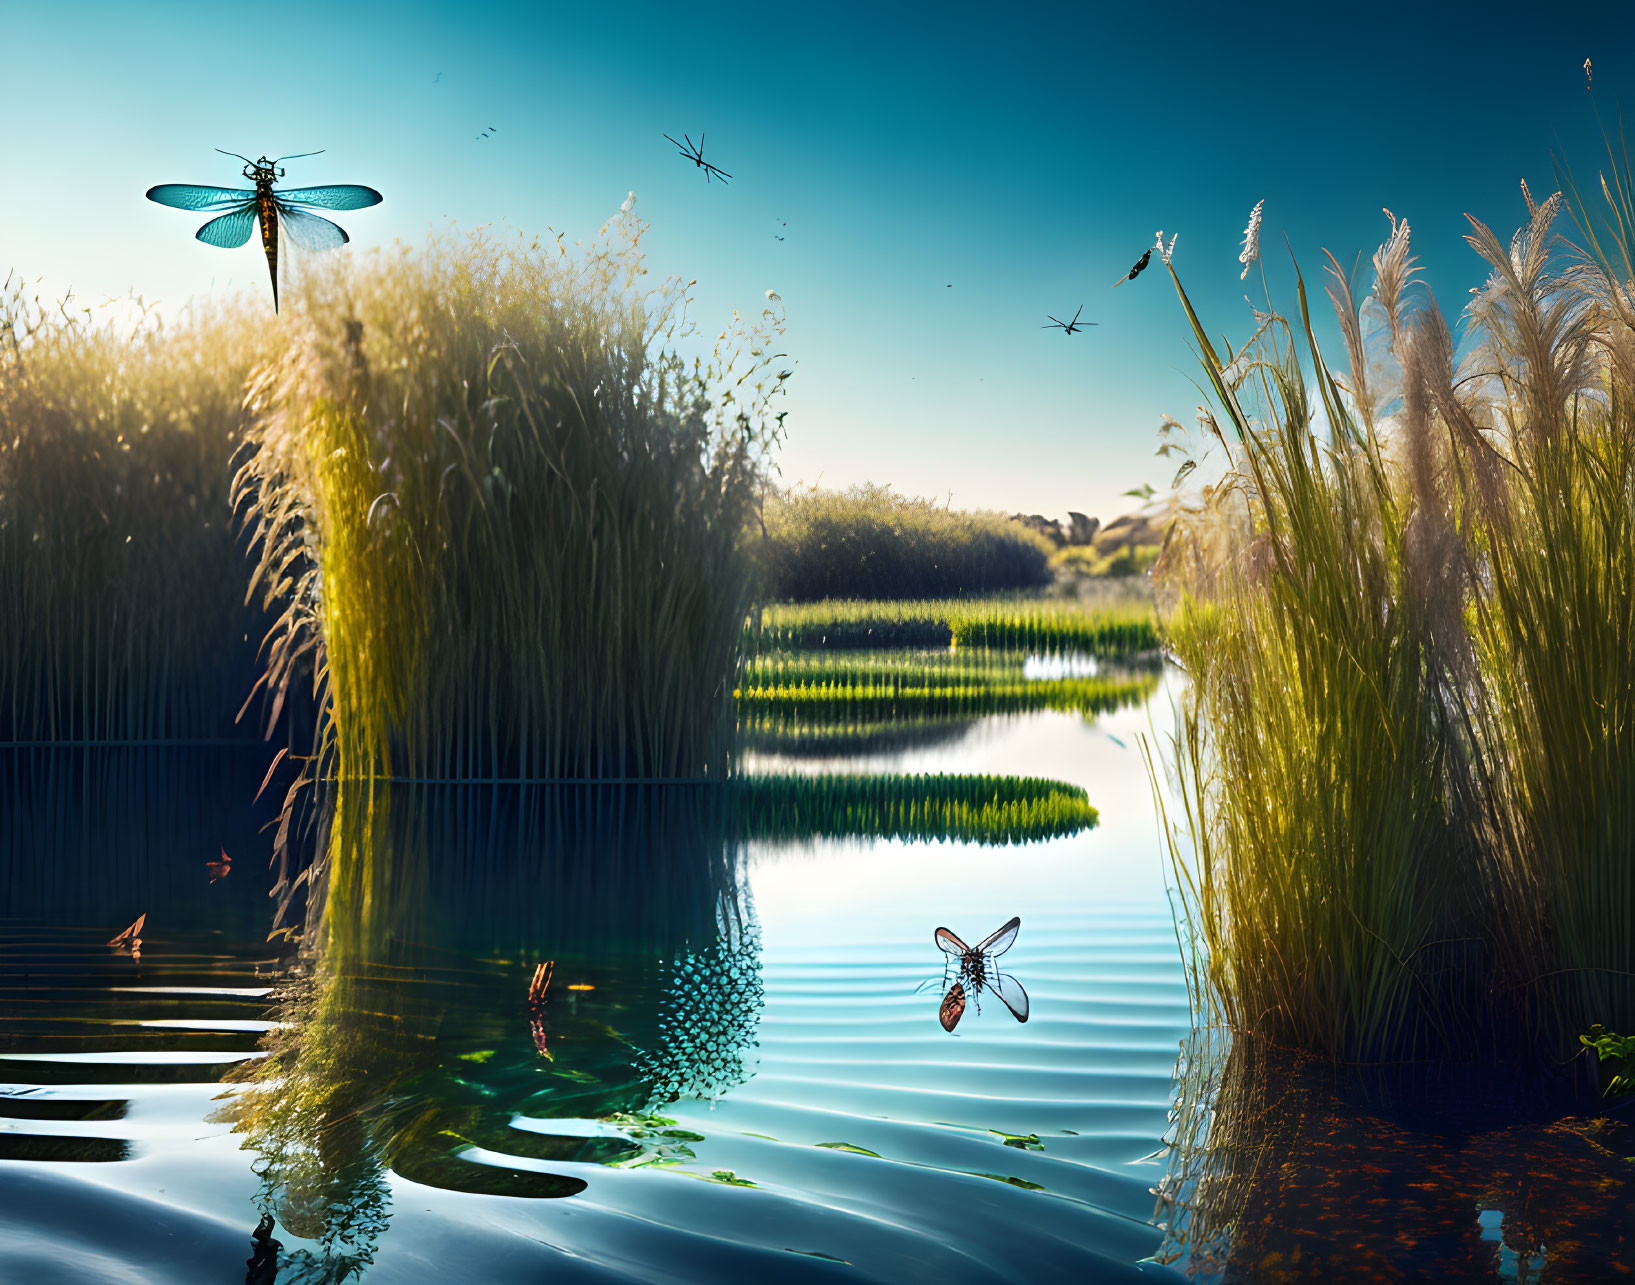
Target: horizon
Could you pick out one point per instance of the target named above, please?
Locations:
(946, 186)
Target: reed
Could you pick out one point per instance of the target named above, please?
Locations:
(1118, 623)
(915, 694)
(974, 809)
(119, 568)
(504, 516)
(1407, 784)
(868, 542)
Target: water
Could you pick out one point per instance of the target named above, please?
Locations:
(737, 1071)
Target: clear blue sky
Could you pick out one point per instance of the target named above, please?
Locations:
(1024, 154)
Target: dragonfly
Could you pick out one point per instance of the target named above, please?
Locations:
(242, 207)
(1069, 327)
(694, 152)
(978, 972)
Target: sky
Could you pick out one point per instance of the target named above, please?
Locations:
(948, 178)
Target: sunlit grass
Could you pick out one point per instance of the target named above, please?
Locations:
(506, 516)
(122, 579)
(868, 542)
(1117, 623)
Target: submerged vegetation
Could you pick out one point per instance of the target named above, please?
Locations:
(1404, 763)
(869, 542)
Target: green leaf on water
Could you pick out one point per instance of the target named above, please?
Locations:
(846, 1146)
(477, 1057)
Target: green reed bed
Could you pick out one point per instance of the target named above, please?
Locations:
(975, 809)
(122, 580)
(914, 694)
(1406, 776)
(505, 515)
(808, 739)
(1120, 623)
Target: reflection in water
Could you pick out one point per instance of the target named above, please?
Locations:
(488, 961)
(1286, 1170)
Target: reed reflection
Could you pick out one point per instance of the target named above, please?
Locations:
(481, 963)
(1282, 1169)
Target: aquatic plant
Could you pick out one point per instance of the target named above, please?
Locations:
(915, 694)
(119, 567)
(504, 516)
(1405, 774)
(976, 809)
(869, 542)
(1118, 622)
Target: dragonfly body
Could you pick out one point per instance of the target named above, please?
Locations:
(241, 209)
(979, 971)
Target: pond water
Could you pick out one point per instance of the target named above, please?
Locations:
(622, 1036)
(737, 1070)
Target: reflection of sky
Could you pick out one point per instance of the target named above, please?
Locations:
(1026, 159)
(843, 890)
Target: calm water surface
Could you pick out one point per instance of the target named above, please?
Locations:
(737, 1071)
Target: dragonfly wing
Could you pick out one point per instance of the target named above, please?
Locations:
(309, 231)
(953, 1007)
(340, 196)
(231, 230)
(1010, 991)
(1002, 939)
(184, 196)
(950, 943)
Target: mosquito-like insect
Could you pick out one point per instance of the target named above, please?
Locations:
(1069, 327)
(232, 229)
(694, 152)
(1136, 271)
(978, 972)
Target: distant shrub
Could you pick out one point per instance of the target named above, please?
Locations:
(1084, 560)
(867, 542)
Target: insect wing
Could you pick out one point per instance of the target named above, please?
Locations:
(1002, 939)
(184, 196)
(1011, 993)
(951, 944)
(953, 1007)
(310, 232)
(340, 196)
(231, 230)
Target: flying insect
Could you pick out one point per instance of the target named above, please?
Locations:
(241, 208)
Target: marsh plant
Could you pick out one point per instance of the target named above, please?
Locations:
(1404, 765)
(122, 578)
(502, 513)
(870, 542)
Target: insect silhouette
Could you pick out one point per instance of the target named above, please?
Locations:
(220, 869)
(978, 972)
(1136, 271)
(242, 207)
(1069, 327)
(694, 152)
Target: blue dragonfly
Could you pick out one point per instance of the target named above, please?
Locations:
(243, 206)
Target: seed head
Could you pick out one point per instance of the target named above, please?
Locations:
(1251, 240)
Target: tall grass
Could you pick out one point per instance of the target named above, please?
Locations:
(505, 515)
(122, 581)
(869, 542)
(1406, 777)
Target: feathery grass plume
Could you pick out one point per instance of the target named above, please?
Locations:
(1251, 241)
(869, 542)
(1555, 629)
(1167, 254)
(118, 561)
(1393, 270)
(1310, 755)
(505, 515)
